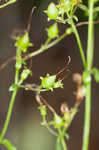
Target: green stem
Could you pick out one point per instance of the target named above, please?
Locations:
(79, 43)
(45, 47)
(50, 130)
(8, 117)
(90, 44)
(87, 119)
(8, 114)
(63, 143)
(17, 76)
(8, 3)
(90, 50)
(62, 140)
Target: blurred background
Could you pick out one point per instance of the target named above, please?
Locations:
(25, 130)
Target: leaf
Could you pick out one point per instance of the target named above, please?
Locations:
(95, 73)
(8, 144)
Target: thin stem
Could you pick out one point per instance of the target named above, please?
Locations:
(90, 43)
(8, 3)
(79, 43)
(8, 114)
(62, 140)
(90, 50)
(87, 118)
(17, 76)
(74, 112)
(37, 52)
(8, 117)
(45, 47)
(63, 143)
(50, 130)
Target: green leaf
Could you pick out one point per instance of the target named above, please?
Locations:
(8, 144)
(95, 73)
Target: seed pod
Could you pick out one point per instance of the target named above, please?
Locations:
(52, 11)
(53, 31)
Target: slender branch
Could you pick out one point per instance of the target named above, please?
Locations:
(62, 140)
(8, 3)
(63, 143)
(35, 53)
(79, 43)
(50, 130)
(2, 66)
(8, 117)
(86, 23)
(45, 47)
